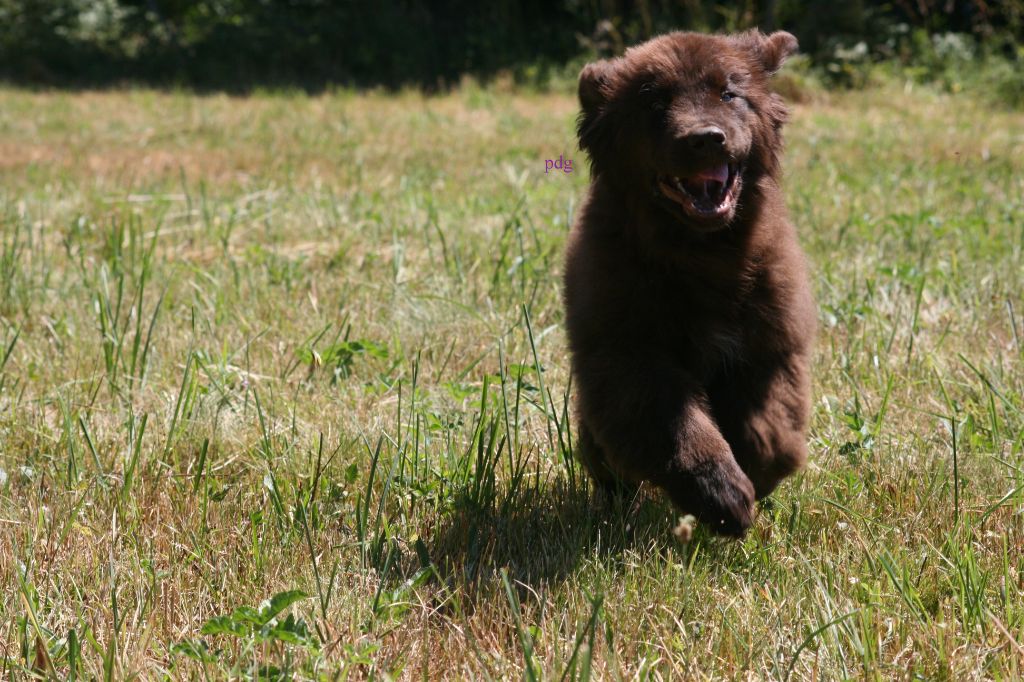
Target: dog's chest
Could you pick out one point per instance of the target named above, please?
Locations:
(706, 325)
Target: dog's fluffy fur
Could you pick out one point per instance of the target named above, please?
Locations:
(688, 308)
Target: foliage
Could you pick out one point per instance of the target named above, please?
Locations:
(241, 44)
(252, 628)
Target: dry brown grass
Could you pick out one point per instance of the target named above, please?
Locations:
(426, 226)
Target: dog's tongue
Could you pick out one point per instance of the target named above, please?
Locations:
(718, 174)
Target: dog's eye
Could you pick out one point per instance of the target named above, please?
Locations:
(654, 96)
(729, 96)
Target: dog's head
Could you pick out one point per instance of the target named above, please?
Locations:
(687, 119)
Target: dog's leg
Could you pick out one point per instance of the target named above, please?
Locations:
(763, 411)
(651, 422)
(590, 454)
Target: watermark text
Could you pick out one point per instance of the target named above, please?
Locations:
(562, 164)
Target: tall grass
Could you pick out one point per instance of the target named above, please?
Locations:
(284, 393)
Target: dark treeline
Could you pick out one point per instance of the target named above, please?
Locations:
(239, 44)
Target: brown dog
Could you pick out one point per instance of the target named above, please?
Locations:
(688, 308)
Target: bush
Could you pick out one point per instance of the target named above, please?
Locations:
(240, 44)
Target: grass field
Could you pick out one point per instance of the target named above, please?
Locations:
(284, 394)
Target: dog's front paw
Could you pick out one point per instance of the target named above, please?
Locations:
(719, 494)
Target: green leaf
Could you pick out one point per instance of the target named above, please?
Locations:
(291, 631)
(224, 625)
(278, 603)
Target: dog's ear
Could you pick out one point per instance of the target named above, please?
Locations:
(594, 81)
(594, 91)
(776, 48)
(770, 50)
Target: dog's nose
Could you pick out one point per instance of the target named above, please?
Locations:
(707, 138)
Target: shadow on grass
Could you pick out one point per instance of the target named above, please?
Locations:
(543, 534)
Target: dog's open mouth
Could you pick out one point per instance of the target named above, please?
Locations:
(711, 193)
